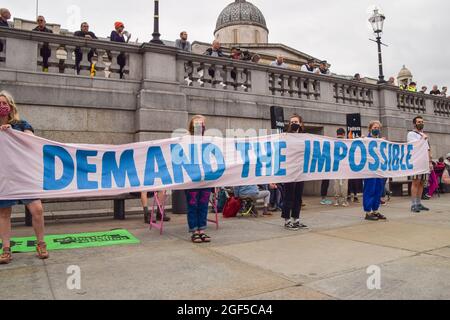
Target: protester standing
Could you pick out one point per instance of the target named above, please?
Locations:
(292, 203)
(419, 180)
(341, 185)
(10, 120)
(373, 188)
(198, 199)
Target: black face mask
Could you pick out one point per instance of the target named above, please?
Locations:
(420, 127)
(295, 127)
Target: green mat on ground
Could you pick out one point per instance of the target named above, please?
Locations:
(75, 241)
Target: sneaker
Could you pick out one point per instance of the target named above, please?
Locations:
(355, 200)
(380, 216)
(371, 217)
(45, 70)
(42, 252)
(426, 197)
(6, 256)
(415, 209)
(422, 208)
(244, 87)
(200, 82)
(223, 85)
(336, 204)
(300, 225)
(188, 81)
(325, 202)
(345, 204)
(290, 226)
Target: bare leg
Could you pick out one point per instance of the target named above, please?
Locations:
(5, 227)
(144, 199)
(37, 212)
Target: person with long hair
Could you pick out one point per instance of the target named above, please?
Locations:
(10, 120)
(292, 203)
(198, 199)
(373, 188)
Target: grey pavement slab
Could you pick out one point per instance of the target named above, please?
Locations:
(310, 256)
(412, 278)
(195, 273)
(402, 235)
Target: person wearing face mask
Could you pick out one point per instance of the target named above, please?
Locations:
(373, 188)
(198, 199)
(292, 203)
(10, 120)
(418, 182)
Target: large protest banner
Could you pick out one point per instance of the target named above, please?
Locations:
(35, 168)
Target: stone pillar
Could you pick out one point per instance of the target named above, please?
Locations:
(21, 54)
(393, 119)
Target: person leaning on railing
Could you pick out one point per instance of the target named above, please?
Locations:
(10, 120)
(5, 15)
(118, 35)
(83, 33)
(45, 49)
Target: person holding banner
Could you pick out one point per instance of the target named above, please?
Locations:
(418, 183)
(292, 204)
(10, 120)
(373, 188)
(198, 199)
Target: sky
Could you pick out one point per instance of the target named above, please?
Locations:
(337, 31)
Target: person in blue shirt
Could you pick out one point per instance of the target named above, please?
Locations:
(10, 120)
(255, 194)
(373, 188)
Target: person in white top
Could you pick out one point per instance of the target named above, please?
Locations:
(419, 180)
(279, 63)
(309, 67)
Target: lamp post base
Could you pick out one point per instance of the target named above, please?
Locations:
(156, 39)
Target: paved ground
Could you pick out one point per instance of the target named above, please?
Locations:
(251, 259)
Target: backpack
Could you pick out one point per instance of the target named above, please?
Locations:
(232, 207)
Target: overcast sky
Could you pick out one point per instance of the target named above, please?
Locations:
(338, 31)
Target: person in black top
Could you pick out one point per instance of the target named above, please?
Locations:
(83, 33)
(118, 35)
(435, 91)
(5, 15)
(46, 52)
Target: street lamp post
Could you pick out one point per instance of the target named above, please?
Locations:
(377, 21)
(156, 34)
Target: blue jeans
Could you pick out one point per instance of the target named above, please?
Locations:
(197, 203)
(373, 190)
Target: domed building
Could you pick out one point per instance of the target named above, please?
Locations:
(241, 24)
(404, 76)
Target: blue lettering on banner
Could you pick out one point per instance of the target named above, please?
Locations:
(409, 165)
(280, 158)
(126, 168)
(358, 167)
(340, 153)
(209, 150)
(50, 180)
(84, 168)
(321, 157)
(396, 157)
(180, 161)
(373, 166)
(263, 159)
(307, 157)
(155, 160)
(383, 147)
(244, 149)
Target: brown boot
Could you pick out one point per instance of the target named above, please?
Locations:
(42, 252)
(6, 257)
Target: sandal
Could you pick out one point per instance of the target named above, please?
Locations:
(42, 252)
(6, 256)
(196, 238)
(205, 238)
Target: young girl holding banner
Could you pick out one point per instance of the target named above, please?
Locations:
(292, 203)
(373, 188)
(198, 199)
(9, 119)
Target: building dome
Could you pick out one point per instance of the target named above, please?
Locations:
(405, 73)
(239, 13)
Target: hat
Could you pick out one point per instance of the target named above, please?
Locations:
(446, 161)
(118, 24)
